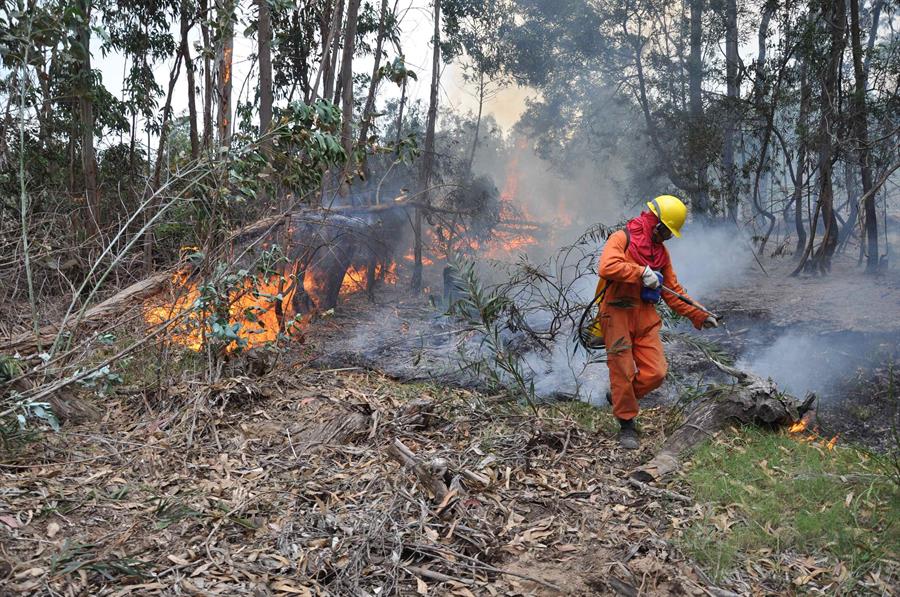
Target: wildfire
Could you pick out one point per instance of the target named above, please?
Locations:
(256, 310)
(811, 435)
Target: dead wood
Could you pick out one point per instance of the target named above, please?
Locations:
(751, 400)
(430, 475)
(97, 316)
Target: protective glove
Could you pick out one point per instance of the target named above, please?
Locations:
(710, 322)
(650, 278)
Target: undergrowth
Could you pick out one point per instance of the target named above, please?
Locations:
(768, 493)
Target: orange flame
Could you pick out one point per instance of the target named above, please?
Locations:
(254, 306)
(831, 443)
(798, 427)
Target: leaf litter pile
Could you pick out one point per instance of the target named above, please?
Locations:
(346, 483)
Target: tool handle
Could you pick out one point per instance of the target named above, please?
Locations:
(689, 301)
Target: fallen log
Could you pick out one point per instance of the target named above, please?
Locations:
(751, 400)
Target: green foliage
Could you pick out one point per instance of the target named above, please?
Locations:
(766, 491)
(483, 309)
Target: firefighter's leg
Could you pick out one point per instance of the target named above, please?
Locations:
(617, 333)
(650, 359)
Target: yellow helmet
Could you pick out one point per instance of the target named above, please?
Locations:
(671, 211)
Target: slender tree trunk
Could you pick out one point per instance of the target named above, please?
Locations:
(160, 155)
(400, 119)
(86, 109)
(732, 93)
(224, 59)
(428, 155)
(265, 69)
(207, 77)
(331, 57)
(835, 14)
(471, 159)
(853, 202)
(873, 35)
(186, 22)
(695, 74)
(369, 109)
(802, 166)
(347, 94)
(861, 130)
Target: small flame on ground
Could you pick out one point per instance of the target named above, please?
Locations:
(810, 435)
(798, 426)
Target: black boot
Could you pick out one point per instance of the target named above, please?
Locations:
(628, 435)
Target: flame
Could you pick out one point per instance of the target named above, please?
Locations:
(255, 306)
(411, 257)
(810, 435)
(798, 427)
(355, 278)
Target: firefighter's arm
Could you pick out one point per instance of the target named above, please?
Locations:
(614, 266)
(670, 280)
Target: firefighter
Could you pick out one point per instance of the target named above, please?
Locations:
(635, 265)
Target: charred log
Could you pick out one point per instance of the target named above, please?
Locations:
(751, 400)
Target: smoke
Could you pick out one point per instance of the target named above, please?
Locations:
(802, 361)
(709, 258)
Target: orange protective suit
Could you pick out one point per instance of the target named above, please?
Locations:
(637, 364)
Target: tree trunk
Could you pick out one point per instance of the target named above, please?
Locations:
(805, 100)
(369, 109)
(835, 14)
(732, 93)
(347, 93)
(86, 110)
(873, 35)
(695, 75)
(329, 57)
(861, 130)
(400, 119)
(428, 155)
(207, 77)
(186, 22)
(160, 153)
(225, 16)
(265, 69)
(471, 160)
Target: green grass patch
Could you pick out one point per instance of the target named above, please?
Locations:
(767, 491)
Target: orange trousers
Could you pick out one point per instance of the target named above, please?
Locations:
(637, 363)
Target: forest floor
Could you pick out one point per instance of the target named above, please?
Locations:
(281, 481)
(284, 485)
